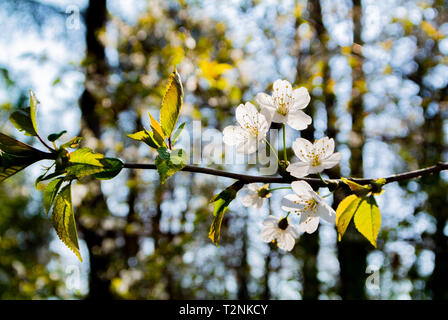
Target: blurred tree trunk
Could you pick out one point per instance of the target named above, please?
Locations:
(243, 269)
(437, 189)
(94, 204)
(131, 237)
(427, 147)
(315, 60)
(266, 294)
(352, 251)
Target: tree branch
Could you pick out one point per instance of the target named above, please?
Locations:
(316, 182)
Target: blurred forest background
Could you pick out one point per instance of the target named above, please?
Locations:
(377, 72)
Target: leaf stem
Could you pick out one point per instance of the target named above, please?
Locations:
(46, 145)
(279, 188)
(321, 178)
(285, 157)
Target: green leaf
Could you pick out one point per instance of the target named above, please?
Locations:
(63, 220)
(21, 119)
(157, 132)
(359, 190)
(17, 148)
(220, 205)
(145, 136)
(79, 170)
(73, 143)
(33, 106)
(111, 168)
(177, 133)
(10, 164)
(171, 104)
(55, 136)
(86, 156)
(50, 193)
(368, 219)
(169, 162)
(15, 156)
(84, 162)
(344, 213)
(44, 176)
(139, 136)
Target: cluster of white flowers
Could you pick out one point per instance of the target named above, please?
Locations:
(285, 106)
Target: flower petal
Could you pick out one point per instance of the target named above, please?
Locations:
(279, 118)
(282, 87)
(302, 189)
(291, 203)
(233, 135)
(268, 113)
(326, 212)
(249, 199)
(259, 202)
(301, 98)
(324, 147)
(293, 231)
(298, 120)
(264, 100)
(247, 115)
(253, 187)
(332, 161)
(269, 234)
(308, 223)
(285, 241)
(298, 169)
(248, 146)
(302, 149)
(316, 169)
(263, 125)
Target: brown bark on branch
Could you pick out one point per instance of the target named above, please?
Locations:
(316, 182)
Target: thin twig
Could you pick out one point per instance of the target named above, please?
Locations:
(317, 182)
(46, 145)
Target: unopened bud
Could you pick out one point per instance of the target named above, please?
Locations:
(283, 224)
(282, 165)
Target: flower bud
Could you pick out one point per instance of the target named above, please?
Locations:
(282, 165)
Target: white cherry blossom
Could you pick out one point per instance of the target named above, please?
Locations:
(256, 195)
(281, 231)
(313, 158)
(251, 130)
(285, 105)
(308, 205)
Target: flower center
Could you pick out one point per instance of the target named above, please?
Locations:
(283, 224)
(282, 109)
(310, 205)
(252, 130)
(263, 192)
(316, 160)
(313, 157)
(283, 103)
(251, 125)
